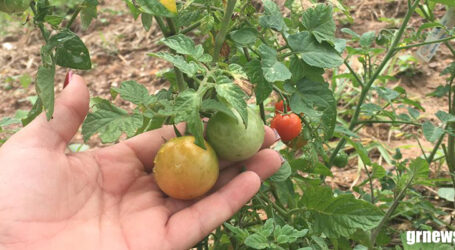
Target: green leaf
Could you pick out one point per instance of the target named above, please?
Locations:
(244, 36)
(283, 173)
(134, 11)
(272, 69)
(190, 68)
(440, 91)
(214, 106)
(419, 168)
(447, 193)
(268, 227)
(287, 234)
(6, 121)
(363, 153)
(187, 105)
(341, 215)
(133, 92)
(272, 17)
(257, 241)
(316, 101)
(25, 80)
(367, 39)
(147, 21)
(240, 234)
(110, 122)
(431, 132)
(45, 88)
(445, 117)
(378, 171)
(53, 20)
(33, 113)
(255, 74)
(70, 51)
(320, 55)
(154, 8)
(319, 22)
(235, 96)
(301, 69)
(350, 32)
(321, 169)
(88, 12)
(186, 46)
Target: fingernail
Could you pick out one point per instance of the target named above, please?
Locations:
(277, 136)
(68, 77)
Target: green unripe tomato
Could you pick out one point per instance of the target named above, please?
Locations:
(231, 140)
(341, 160)
(14, 6)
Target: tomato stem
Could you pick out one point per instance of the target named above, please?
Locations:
(73, 17)
(371, 80)
(221, 36)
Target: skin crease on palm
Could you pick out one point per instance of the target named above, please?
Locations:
(104, 198)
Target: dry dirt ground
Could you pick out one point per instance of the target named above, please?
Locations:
(118, 45)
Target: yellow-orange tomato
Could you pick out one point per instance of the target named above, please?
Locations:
(185, 171)
(170, 5)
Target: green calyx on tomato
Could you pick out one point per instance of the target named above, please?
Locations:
(279, 107)
(288, 126)
(185, 171)
(231, 140)
(14, 6)
(340, 160)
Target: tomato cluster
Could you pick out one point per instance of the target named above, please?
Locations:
(288, 125)
(185, 171)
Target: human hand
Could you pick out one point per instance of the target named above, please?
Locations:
(104, 198)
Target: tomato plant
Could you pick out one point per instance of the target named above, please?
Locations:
(288, 126)
(185, 171)
(230, 138)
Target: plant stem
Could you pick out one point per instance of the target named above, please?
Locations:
(73, 17)
(162, 26)
(396, 201)
(436, 147)
(172, 27)
(221, 36)
(191, 27)
(392, 122)
(167, 33)
(40, 24)
(371, 183)
(353, 72)
(425, 43)
(247, 54)
(366, 88)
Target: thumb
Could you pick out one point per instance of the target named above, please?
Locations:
(71, 107)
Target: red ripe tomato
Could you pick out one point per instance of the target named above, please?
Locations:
(279, 107)
(288, 126)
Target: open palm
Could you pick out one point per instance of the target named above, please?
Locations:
(104, 199)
